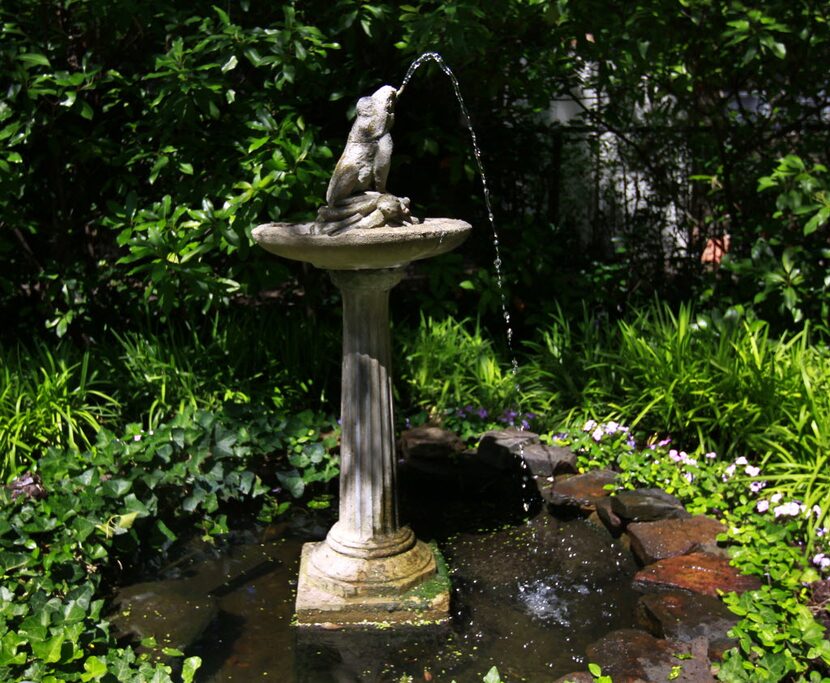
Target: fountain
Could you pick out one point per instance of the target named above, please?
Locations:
(370, 568)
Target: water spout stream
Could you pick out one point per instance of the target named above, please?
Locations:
(497, 262)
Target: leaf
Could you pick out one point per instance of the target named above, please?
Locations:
(595, 669)
(230, 64)
(191, 665)
(48, 650)
(34, 58)
(492, 676)
(293, 482)
(94, 669)
(126, 521)
(819, 219)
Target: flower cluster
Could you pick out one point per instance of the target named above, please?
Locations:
(749, 470)
(509, 417)
(599, 431)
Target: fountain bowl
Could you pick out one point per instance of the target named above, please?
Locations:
(363, 249)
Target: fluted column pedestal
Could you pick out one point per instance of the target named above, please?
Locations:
(369, 568)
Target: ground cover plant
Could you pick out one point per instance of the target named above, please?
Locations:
(65, 528)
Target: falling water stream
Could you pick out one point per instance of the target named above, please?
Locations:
(497, 262)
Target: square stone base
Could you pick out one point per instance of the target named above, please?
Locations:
(428, 603)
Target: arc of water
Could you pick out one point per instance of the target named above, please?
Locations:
(497, 262)
(439, 60)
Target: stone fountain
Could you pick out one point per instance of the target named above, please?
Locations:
(370, 568)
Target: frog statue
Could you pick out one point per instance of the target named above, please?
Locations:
(356, 195)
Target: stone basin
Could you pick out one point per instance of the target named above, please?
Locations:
(359, 249)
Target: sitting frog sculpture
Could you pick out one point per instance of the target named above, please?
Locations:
(356, 197)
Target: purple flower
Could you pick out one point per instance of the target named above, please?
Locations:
(757, 486)
(483, 413)
(664, 442)
(762, 505)
(711, 455)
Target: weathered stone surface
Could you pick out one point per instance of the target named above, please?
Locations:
(653, 541)
(576, 677)
(430, 443)
(633, 656)
(500, 448)
(548, 461)
(682, 616)
(322, 601)
(695, 572)
(647, 505)
(581, 490)
(608, 517)
(166, 610)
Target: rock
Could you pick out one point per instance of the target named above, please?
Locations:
(582, 490)
(695, 572)
(608, 517)
(634, 656)
(430, 443)
(685, 616)
(653, 541)
(548, 461)
(165, 610)
(576, 677)
(500, 448)
(647, 505)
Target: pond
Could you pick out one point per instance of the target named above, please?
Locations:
(530, 592)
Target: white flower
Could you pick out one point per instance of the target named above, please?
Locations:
(688, 476)
(597, 434)
(711, 455)
(776, 497)
(589, 426)
(752, 471)
(756, 487)
(137, 437)
(612, 427)
(742, 461)
(790, 509)
(822, 561)
(816, 510)
(762, 505)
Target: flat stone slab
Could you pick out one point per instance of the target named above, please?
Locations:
(647, 505)
(696, 572)
(654, 541)
(430, 443)
(634, 656)
(582, 490)
(549, 461)
(500, 448)
(427, 603)
(682, 616)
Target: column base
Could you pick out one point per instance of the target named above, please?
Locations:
(405, 588)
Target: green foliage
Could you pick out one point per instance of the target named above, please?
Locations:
(447, 366)
(724, 384)
(125, 494)
(237, 356)
(778, 635)
(48, 398)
